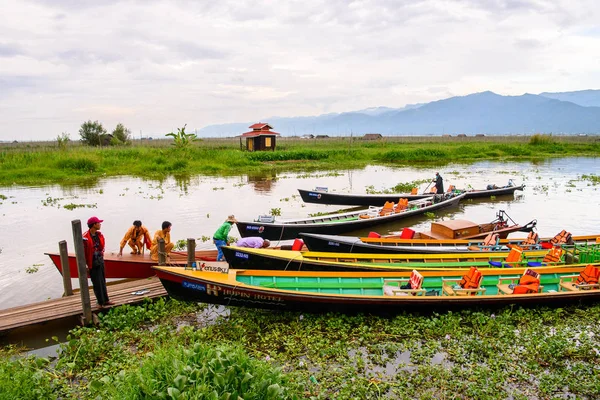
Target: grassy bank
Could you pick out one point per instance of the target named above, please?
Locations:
(34, 164)
(168, 349)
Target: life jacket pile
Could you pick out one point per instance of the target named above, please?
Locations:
(529, 283)
(589, 276)
(471, 280)
(562, 237)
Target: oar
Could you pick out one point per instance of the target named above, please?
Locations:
(425, 190)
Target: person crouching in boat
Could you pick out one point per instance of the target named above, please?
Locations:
(221, 236)
(164, 234)
(136, 237)
(254, 242)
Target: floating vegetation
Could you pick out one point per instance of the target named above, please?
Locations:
(285, 199)
(73, 206)
(181, 244)
(3, 197)
(218, 188)
(594, 179)
(276, 211)
(33, 269)
(51, 201)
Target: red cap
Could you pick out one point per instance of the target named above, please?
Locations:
(94, 220)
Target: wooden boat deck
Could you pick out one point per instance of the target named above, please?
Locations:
(50, 310)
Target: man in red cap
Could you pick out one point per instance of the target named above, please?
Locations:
(93, 245)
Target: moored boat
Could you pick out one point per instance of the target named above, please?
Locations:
(289, 260)
(345, 222)
(394, 244)
(353, 199)
(130, 266)
(374, 291)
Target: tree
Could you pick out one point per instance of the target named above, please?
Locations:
(92, 133)
(121, 135)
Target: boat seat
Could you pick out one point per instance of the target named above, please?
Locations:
(402, 204)
(298, 244)
(586, 280)
(407, 233)
(470, 284)
(398, 287)
(414, 191)
(529, 282)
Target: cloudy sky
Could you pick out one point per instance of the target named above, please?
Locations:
(156, 65)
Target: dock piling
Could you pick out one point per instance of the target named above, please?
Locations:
(162, 256)
(191, 252)
(66, 270)
(82, 269)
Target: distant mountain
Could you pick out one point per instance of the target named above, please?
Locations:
(485, 112)
(586, 98)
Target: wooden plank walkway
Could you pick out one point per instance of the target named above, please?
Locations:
(120, 293)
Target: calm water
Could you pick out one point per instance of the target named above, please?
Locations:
(34, 219)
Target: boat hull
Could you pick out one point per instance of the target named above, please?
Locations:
(349, 199)
(287, 260)
(131, 266)
(225, 289)
(333, 224)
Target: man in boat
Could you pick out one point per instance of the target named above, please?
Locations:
(254, 242)
(221, 236)
(164, 234)
(136, 237)
(93, 246)
(439, 183)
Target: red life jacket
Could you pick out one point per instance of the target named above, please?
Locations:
(88, 246)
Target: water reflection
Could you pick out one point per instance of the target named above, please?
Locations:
(262, 182)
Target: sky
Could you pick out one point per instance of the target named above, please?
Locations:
(157, 65)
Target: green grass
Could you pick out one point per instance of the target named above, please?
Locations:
(44, 164)
(166, 349)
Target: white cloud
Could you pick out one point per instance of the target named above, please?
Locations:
(155, 65)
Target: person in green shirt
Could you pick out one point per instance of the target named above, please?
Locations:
(220, 237)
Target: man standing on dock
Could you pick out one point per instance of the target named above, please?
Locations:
(93, 245)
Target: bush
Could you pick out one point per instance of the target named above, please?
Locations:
(541, 140)
(78, 164)
(121, 135)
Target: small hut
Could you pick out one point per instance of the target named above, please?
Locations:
(260, 137)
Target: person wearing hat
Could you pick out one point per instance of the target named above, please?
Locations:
(220, 238)
(439, 183)
(164, 234)
(93, 246)
(136, 237)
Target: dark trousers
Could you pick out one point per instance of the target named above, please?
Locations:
(99, 281)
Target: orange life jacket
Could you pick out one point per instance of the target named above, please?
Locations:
(471, 280)
(562, 237)
(553, 255)
(529, 283)
(589, 275)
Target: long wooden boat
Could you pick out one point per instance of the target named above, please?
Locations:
(132, 266)
(343, 222)
(386, 245)
(289, 260)
(357, 291)
(352, 199)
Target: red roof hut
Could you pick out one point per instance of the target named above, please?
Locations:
(260, 137)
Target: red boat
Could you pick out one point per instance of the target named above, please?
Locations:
(133, 266)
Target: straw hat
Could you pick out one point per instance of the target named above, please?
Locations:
(231, 219)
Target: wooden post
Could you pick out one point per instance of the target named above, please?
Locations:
(82, 269)
(162, 256)
(66, 270)
(191, 252)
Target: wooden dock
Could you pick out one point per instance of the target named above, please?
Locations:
(128, 292)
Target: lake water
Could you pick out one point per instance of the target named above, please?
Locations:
(34, 219)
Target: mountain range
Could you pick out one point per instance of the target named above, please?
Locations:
(479, 113)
